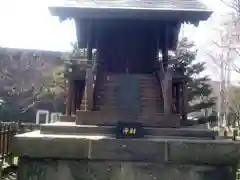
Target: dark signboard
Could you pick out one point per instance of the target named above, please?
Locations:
(129, 130)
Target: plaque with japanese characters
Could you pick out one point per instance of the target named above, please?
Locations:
(129, 130)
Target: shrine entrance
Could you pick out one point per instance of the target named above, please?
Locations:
(125, 47)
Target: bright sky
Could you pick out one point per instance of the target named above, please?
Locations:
(29, 24)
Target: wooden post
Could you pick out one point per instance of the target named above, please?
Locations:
(168, 75)
(78, 95)
(89, 86)
(69, 97)
(89, 43)
(74, 91)
(165, 48)
(178, 98)
(89, 72)
(168, 107)
(184, 101)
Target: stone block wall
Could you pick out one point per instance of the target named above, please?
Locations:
(48, 169)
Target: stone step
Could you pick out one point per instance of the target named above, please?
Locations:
(143, 100)
(140, 76)
(142, 93)
(140, 105)
(154, 112)
(111, 118)
(111, 130)
(114, 80)
(144, 81)
(149, 98)
(141, 108)
(141, 84)
(141, 97)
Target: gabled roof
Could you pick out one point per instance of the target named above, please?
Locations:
(186, 10)
(146, 4)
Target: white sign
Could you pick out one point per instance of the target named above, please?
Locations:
(42, 117)
(55, 117)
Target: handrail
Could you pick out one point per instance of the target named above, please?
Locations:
(91, 73)
(165, 78)
(89, 88)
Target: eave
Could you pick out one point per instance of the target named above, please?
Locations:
(189, 15)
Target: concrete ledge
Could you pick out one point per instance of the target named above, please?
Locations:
(211, 152)
(72, 129)
(34, 144)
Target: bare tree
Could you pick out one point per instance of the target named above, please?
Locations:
(24, 77)
(225, 52)
(234, 5)
(232, 31)
(222, 57)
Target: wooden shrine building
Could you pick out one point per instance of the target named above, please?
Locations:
(120, 77)
(126, 79)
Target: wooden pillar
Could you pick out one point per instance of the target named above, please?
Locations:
(184, 101)
(89, 72)
(89, 86)
(89, 41)
(178, 97)
(81, 32)
(168, 75)
(74, 92)
(69, 97)
(174, 96)
(168, 102)
(78, 98)
(165, 48)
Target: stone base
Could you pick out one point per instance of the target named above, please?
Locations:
(47, 169)
(47, 156)
(69, 128)
(103, 147)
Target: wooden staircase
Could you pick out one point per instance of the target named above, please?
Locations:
(127, 97)
(149, 96)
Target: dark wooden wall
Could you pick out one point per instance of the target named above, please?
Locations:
(132, 47)
(123, 45)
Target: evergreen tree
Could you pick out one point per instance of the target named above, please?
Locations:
(198, 86)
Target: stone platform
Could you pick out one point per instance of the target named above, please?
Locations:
(70, 128)
(164, 155)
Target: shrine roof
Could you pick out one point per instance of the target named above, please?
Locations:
(146, 4)
(183, 9)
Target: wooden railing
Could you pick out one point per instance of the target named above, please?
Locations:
(92, 74)
(7, 132)
(165, 80)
